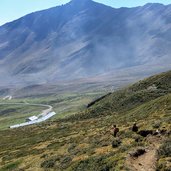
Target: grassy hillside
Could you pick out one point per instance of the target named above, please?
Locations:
(131, 97)
(84, 142)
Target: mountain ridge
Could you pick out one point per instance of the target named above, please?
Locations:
(73, 41)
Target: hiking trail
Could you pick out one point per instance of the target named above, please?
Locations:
(146, 161)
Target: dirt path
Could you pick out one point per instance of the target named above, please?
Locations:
(146, 161)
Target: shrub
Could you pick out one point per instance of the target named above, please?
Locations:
(157, 124)
(163, 167)
(116, 143)
(144, 133)
(94, 163)
(71, 147)
(137, 152)
(124, 148)
(66, 160)
(137, 138)
(165, 149)
(11, 166)
(49, 163)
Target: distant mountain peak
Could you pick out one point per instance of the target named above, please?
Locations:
(154, 5)
(150, 4)
(80, 2)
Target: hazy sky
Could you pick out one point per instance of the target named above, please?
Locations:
(13, 9)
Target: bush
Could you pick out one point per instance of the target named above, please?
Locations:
(91, 164)
(11, 166)
(116, 143)
(124, 148)
(163, 167)
(145, 133)
(66, 161)
(157, 124)
(137, 138)
(165, 149)
(137, 152)
(71, 147)
(49, 163)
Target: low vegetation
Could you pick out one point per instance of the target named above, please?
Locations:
(164, 153)
(84, 141)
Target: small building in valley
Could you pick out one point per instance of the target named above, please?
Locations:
(32, 118)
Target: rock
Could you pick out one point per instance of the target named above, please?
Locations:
(137, 152)
(144, 133)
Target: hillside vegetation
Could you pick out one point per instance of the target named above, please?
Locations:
(131, 97)
(84, 142)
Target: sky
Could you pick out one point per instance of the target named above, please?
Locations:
(14, 9)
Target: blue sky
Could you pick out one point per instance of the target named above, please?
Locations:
(13, 9)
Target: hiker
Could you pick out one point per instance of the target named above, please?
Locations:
(135, 128)
(115, 130)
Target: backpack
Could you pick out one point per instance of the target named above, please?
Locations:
(116, 130)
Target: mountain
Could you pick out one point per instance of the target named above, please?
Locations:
(84, 39)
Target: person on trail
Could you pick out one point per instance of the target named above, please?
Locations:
(115, 130)
(135, 128)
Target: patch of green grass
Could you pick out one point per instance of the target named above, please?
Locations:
(11, 166)
(165, 149)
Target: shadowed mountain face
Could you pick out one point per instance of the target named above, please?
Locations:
(83, 39)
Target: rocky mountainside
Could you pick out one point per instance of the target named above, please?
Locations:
(84, 39)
